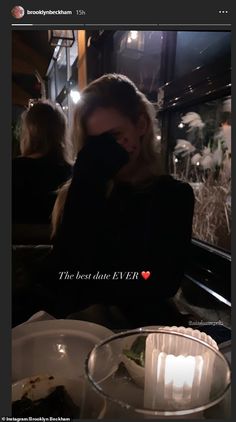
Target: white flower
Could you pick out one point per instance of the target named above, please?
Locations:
(196, 159)
(217, 155)
(206, 151)
(207, 162)
(183, 147)
(193, 120)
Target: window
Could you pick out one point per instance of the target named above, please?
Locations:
(197, 49)
(137, 54)
(74, 49)
(61, 70)
(195, 111)
(201, 155)
(52, 88)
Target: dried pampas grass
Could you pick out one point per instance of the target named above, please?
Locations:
(212, 216)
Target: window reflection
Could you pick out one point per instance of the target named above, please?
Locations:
(201, 155)
(138, 55)
(197, 49)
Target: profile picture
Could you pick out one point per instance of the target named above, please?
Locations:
(18, 12)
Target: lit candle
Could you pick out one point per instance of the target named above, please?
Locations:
(178, 371)
(179, 376)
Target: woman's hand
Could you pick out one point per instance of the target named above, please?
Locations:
(101, 156)
(80, 232)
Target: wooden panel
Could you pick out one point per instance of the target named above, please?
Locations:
(82, 59)
(19, 96)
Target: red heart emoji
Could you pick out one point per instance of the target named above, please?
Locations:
(145, 274)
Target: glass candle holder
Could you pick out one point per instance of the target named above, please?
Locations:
(161, 373)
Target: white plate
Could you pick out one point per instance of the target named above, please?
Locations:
(57, 347)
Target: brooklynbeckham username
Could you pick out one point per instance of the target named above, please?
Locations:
(49, 12)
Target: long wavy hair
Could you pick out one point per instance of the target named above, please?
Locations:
(118, 92)
(43, 132)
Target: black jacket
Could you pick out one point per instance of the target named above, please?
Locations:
(131, 230)
(34, 185)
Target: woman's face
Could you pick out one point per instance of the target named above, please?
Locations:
(122, 128)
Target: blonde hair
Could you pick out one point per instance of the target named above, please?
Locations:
(44, 131)
(119, 92)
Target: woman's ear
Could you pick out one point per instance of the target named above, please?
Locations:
(142, 124)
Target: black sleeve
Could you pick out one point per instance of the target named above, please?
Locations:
(180, 246)
(171, 238)
(20, 190)
(81, 229)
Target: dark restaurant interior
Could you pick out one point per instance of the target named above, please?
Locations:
(172, 267)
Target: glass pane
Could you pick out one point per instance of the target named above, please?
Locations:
(138, 56)
(74, 49)
(201, 155)
(61, 70)
(199, 48)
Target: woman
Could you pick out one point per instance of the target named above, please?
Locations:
(43, 166)
(121, 228)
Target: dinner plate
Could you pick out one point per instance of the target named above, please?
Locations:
(56, 347)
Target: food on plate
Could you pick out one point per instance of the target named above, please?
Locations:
(137, 351)
(58, 404)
